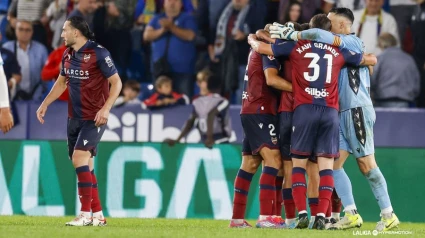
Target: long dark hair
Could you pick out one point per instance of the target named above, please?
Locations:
(286, 16)
(80, 24)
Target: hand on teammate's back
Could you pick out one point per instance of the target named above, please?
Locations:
(101, 117)
(6, 120)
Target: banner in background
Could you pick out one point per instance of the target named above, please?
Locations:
(184, 181)
(394, 127)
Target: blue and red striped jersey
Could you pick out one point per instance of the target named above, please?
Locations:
(315, 70)
(87, 71)
(257, 96)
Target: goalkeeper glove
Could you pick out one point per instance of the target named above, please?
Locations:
(278, 31)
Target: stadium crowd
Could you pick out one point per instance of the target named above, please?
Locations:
(172, 44)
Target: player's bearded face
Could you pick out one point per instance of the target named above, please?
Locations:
(68, 35)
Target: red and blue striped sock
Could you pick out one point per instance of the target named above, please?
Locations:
(267, 191)
(84, 187)
(299, 188)
(288, 203)
(95, 203)
(325, 191)
(242, 183)
(279, 198)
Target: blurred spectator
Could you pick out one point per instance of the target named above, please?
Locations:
(351, 4)
(308, 8)
(202, 82)
(395, 82)
(211, 117)
(172, 34)
(52, 68)
(418, 32)
(57, 14)
(85, 9)
(112, 24)
(130, 93)
(12, 70)
(402, 11)
(370, 22)
(32, 11)
(147, 9)
(31, 56)
(292, 12)
(164, 96)
(228, 49)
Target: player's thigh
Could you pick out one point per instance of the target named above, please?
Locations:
(73, 131)
(250, 163)
(327, 140)
(345, 124)
(89, 137)
(361, 131)
(260, 131)
(285, 132)
(271, 157)
(304, 130)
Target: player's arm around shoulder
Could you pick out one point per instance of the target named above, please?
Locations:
(369, 60)
(271, 68)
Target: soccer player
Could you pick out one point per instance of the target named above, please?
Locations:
(259, 122)
(6, 118)
(87, 70)
(315, 121)
(357, 118)
(272, 69)
(210, 115)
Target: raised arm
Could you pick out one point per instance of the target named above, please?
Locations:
(320, 35)
(258, 46)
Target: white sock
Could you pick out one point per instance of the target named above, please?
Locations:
(98, 214)
(320, 214)
(336, 215)
(302, 212)
(86, 214)
(289, 221)
(387, 212)
(350, 209)
(237, 221)
(263, 217)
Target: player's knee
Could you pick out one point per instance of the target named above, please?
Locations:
(250, 164)
(80, 158)
(367, 163)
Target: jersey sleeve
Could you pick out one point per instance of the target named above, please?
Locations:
(351, 57)
(283, 48)
(270, 61)
(323, 36)
(222, 107)
(105, 63)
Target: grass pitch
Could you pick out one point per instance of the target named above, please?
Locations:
(34, 227)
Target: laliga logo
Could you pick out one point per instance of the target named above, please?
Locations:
(316, 93)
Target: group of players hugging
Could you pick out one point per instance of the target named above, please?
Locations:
(322, 77)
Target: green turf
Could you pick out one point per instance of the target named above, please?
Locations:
(47, 227)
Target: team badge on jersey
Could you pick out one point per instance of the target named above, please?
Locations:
(274, 140)
(87, 57)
